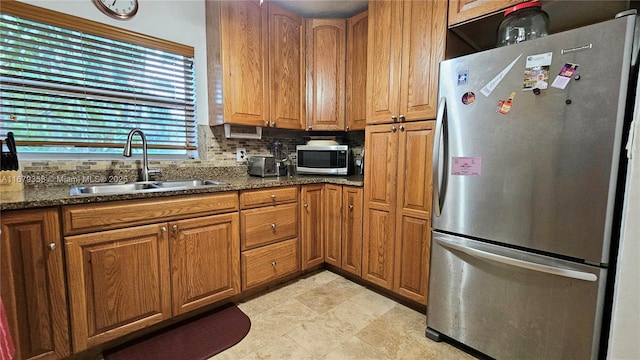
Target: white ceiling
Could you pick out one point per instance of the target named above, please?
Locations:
(323, 8)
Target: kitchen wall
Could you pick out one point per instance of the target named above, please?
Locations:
(182, 22)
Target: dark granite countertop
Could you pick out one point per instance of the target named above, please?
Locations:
(35, 197)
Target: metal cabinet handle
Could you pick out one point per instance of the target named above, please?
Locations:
(52, 246)
(175, 227)
(306, 205)
(393, 128)
(273, 197)
(350, 207)
(402, 118)
(401, 127)
(163, 229)
(273, 263)
(347, 128)
(310, 127)
(394, 118)
(273, 226)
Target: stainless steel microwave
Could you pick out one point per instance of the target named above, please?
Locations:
(322, 159)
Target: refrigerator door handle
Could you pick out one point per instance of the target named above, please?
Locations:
(481, 254)
(442, 105)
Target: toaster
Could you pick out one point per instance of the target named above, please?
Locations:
(263, 166)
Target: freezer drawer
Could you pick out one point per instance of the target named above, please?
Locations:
(510, 304)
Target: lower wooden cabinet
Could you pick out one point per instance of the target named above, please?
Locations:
(352, 198)
(397, 208)
(268, 263)
(33, 284)
(269, 235)
(343, 227)
(311, 224)
(119, 282)
(205, 261)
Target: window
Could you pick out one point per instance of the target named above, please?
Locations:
(64, 89)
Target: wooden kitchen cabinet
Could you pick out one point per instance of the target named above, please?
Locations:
(119, 282)
(325, 67)
(205, 261)
(397, 207)
(462, 11)
(269, 235)
(286, 68)
(33, 283)
(352, 204)
(357, 30)
(343, 227)
(255, 64)
(125, 274)
(406, 43)
(333, 224)
(311, 225)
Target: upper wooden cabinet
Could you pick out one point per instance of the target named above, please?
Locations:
(33, 284)
(461, 11)
(325, 62)
(357, 30)
(406, 44)
(255, 64)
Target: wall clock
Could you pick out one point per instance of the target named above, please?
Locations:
(118, 9)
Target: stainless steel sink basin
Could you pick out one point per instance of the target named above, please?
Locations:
(143, 186)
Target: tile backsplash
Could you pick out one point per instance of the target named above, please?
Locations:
(217, 155)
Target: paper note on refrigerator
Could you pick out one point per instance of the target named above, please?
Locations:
(488, 89)
(470, 166)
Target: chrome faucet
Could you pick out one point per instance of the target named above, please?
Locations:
(145, 161)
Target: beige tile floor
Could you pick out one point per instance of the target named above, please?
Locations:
(325, 316)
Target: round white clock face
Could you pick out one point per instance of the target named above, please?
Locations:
(119, 9)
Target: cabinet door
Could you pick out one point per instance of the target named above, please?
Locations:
(357, 30)
(311, 223)
(326, 61)
(461, 11)
(423, 46)
(380, 194)
(413, 231)
(241, 36)
(286, 68)
(33, 285)
(352, 229)
(119, 282)
(333, 224)
(205, 261)
(383, 60)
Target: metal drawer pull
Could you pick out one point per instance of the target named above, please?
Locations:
(273, 197)
(163, 229)
(273, 226)
(52, 246)
(175, 227)
(273, 263)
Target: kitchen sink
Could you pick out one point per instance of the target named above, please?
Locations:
(142, 186)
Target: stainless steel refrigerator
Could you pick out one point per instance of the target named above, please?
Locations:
(526, 165)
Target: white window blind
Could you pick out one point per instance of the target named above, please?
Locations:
(64, 90)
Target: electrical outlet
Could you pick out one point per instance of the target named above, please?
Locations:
(241, 154)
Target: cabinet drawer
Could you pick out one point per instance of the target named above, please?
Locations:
(262, 265)
(117, 214)
(271, 196)
(267, 225)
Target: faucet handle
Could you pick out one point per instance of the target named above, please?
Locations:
(154, 172)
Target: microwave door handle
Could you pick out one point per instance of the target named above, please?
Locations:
(485, 255)
(442, 106)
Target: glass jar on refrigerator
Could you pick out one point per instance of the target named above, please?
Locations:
(521, 22)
